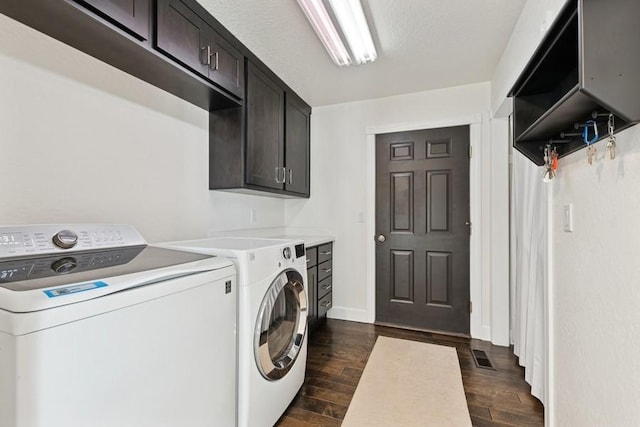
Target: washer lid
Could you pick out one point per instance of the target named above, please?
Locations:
(37, 283)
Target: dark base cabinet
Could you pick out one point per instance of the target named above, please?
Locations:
(319, 282)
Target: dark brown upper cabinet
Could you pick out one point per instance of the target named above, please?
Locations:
(132, 15)
(270, 153)
(265, 131)
(185, 34)
(586, 68)
(109, 31)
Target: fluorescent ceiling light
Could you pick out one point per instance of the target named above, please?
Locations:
(354, 26)
(321, 22)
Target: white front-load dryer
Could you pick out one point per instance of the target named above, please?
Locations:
(272, 321)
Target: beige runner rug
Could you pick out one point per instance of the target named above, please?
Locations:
(409, 383)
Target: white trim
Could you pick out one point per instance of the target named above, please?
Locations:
(347, 313)
(549, 394)
(475, 121)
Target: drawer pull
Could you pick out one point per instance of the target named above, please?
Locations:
(308, 260)
(326, 304)
(327, 270)
(325, 253)
(326, 287)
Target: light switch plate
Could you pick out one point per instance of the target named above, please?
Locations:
(567, 217)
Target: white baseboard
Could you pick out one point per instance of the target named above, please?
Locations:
(345, 313)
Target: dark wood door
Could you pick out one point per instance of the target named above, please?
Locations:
(298, 116)
(422, 214)
(133, 15)
(183, 35)
(265, 130)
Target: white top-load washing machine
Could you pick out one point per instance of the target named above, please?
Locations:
(272, 321)
(98, 329)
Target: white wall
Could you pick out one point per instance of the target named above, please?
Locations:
(595, 285)
(83, 142)
(340, 179)
(594, 297)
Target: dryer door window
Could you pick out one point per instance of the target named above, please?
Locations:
(281, 325)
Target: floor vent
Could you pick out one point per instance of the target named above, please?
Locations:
(482, 359)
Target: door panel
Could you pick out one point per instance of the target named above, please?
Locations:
(265, 130)
(422, 209)
(182, 34)
(402, 265)
(297, 146)
(227, 65)
(402, 202)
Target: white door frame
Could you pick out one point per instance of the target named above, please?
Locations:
(480, 328)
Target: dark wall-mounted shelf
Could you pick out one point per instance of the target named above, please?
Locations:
(588, 62)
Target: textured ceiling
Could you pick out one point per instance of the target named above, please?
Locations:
(422, 45)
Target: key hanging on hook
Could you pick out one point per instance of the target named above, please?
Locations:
(611, 143)
(550, 163)
(591, 148)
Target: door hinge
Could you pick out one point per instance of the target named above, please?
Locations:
(470, 307)
(470, 151)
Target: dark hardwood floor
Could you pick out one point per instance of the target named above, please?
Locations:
(338, 352)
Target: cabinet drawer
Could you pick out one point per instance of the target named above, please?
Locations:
(324, 287)
(325, 252)
(312, 256)
(324, 270)
(324, 304)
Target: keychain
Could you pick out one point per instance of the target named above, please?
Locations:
(550, 163)
(591, 148)
(611, 143)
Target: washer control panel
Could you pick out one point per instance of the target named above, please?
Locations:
(26, 240)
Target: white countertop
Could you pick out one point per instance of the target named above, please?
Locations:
(310, 236)
(309, 241)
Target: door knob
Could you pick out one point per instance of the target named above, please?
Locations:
(381, 238)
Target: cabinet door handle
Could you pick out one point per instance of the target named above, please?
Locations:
(278, 180)
(327, 270)
(325, 253)
(290, 176)
(215, 63)
(206, 55)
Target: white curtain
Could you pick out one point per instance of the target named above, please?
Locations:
(529, 259)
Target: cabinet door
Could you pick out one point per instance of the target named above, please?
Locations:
(297, 146)
(130, 14)
(265, 130)
(226, 66)
(182, 34)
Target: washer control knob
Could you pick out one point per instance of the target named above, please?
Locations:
(286, 253)
(65, 239)
(64, 265)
